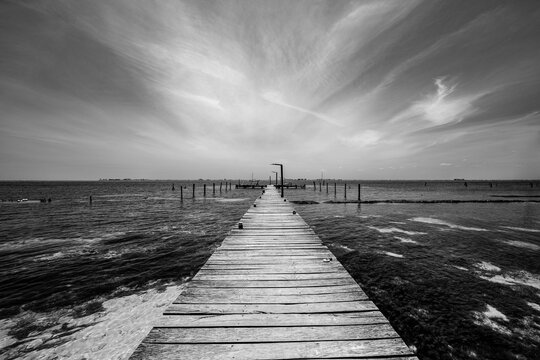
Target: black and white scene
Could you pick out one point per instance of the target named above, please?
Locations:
(269, 179)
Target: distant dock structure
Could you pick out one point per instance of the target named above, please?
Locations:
(272, 290)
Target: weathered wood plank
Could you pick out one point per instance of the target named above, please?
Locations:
(268, 320)
(225, 270)
(279, 350)
(270, 334)
(273, 252)
(256, 277)
(246, 298)
(306, 308)
(331, 290)
(273, 283)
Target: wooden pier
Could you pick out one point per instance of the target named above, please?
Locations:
(272, 291)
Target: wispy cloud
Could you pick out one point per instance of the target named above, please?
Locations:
(439, 108)
(241, 81)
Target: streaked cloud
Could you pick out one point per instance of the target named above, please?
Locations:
(220, 89)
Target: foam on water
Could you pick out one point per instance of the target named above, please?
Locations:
(487, 266)
(433, 221)
(405, 240)
(492, 318)
(346, 248)
(522, 244)
(516, 278)
(535, 306)
(395, 229)
(521, 229)
(393, 254)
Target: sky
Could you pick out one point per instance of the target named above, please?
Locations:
(385, 89)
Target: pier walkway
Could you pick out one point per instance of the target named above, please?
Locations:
(272, 291)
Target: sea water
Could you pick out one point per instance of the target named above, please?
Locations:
(456, 280)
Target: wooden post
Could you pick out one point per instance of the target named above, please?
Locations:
(314, 186)
(326, 188)
(335, 190)
(345, 191)
(320, 187)
(181, 193)
(359, 197)
(213, 189)
(194, 191)
(204, 190)
(220, 185)
(282, 188)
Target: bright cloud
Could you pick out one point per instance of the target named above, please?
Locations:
(212, 86)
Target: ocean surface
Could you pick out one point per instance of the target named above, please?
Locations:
(456, 280)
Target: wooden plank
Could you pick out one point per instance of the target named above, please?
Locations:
(279, 350)
(226, 270)
(268, 320)
(257, 277)
(273, 283)
(331, 290)
(306, 308)
(272, 252)
(247, 298)
(270, 334)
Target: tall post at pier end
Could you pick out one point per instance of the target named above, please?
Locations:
(281, 168)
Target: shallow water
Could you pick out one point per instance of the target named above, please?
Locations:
(67, 251)
(442, 273)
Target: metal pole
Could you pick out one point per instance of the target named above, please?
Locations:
(281, 168)
(282, 188)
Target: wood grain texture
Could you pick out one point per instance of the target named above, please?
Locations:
(272, 290)
(279, 350)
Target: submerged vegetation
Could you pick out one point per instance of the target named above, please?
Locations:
(442, 313)
(452, 290)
